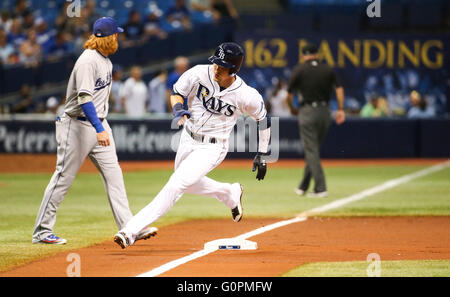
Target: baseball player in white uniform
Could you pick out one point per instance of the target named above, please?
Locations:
(83, 131)
(216, 98)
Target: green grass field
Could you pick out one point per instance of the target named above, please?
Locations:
(84, 218)
(426, 268)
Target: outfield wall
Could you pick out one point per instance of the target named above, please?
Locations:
(153, 139)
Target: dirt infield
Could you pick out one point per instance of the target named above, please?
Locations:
(26, 163)
(315, 240)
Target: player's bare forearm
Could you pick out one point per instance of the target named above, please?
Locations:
(175, 98)
(340, 97)
(340, 114)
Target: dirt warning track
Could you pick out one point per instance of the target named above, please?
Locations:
(28, 163)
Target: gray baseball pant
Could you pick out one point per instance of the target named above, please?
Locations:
(77, 140)
(314, 123)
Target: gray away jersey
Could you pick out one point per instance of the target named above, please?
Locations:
(92, 74)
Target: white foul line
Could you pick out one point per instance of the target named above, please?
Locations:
(303, 216)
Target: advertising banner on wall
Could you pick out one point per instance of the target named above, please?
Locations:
(155, 140)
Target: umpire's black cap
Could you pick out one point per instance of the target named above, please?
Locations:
(310, 49)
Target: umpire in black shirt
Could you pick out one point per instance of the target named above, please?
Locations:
(314, 81)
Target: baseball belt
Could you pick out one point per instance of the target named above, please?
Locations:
(83, 119)
(201, 138)
(314, 103)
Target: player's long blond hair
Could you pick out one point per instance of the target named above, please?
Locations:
(107, 45)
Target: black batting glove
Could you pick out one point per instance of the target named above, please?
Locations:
(260, 164)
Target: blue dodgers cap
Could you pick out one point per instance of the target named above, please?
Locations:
(105, 27)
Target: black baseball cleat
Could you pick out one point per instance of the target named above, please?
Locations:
(238, 212)
(146, 233)
(122, 240)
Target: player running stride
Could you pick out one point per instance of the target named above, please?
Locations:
(83, 131)
(216, 98)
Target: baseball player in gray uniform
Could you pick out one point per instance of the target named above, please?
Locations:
(216, 98)
(83, 131)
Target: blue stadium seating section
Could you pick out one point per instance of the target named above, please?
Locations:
(336, 15)
(118, 9)
(310, 15)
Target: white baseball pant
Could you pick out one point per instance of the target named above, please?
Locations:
(194, 160)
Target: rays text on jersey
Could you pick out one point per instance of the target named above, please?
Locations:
(214, 105)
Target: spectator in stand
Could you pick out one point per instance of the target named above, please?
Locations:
(157, 93)
(5, 21)
(78, 46)
(51, 105)
(204, 6)
(372, 108)
(277, 104)
(228, 16)
(152, 26)
(134, 94)
(31, 51)
(5, 49)
(179, 16)
(419, 108)
(90, 13)
(13, 59)
(16, 36)
(67, 24)
(20, 9)
(383, 106)
(181, 65)
(58, 47)
(55, 106)
(134, 29)
(28, 22)
(116, 90)
(25, 105)
(225, 9)
(43, 34)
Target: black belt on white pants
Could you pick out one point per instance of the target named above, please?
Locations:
(201, 138)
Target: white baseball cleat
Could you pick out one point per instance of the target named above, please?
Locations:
(299, 192)
(238, 212)
(146, 233)
(318, 194)
(122, 240)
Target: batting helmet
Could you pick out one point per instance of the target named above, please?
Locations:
(228, 55)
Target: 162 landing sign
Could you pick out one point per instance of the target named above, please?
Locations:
(365, 51)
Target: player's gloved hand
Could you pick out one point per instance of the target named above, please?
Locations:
(260, 164)
(179, 112)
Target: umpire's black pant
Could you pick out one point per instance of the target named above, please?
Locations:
(314, 122)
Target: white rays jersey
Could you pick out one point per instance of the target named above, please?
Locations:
(214, 112)
(92, 74)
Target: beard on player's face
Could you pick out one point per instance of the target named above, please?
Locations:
(113, 45)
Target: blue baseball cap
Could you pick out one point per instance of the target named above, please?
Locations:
(106, 26)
